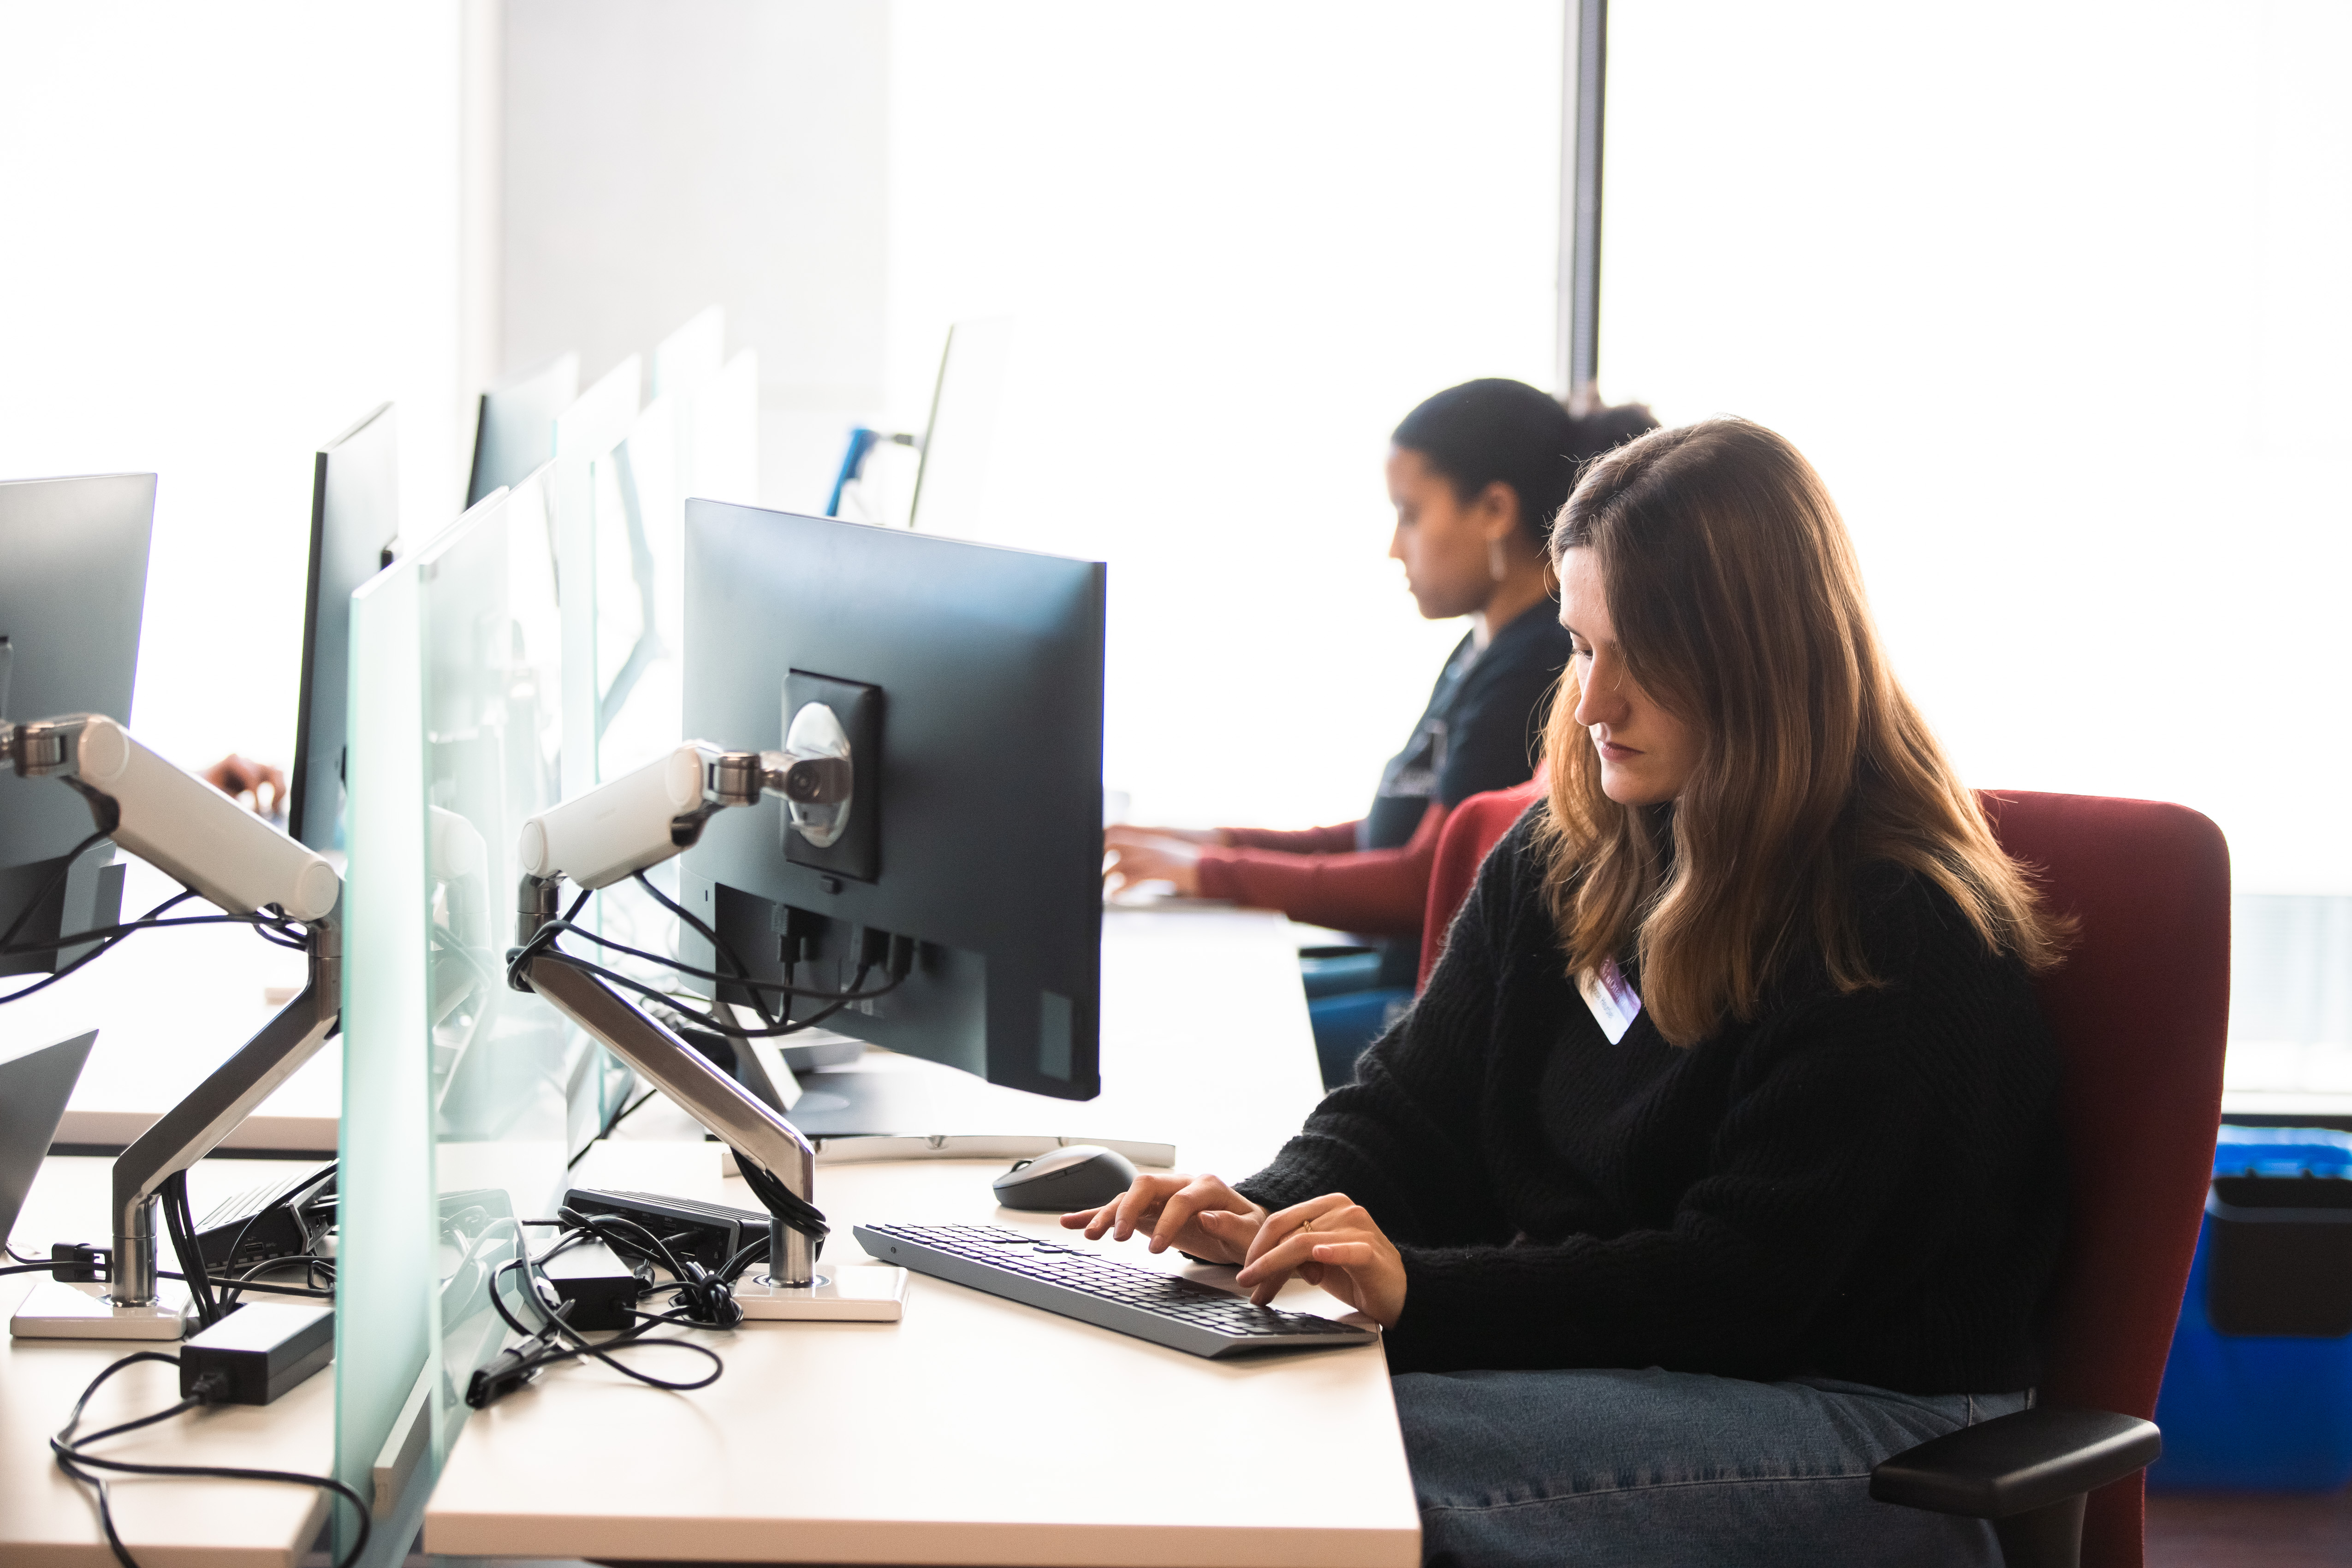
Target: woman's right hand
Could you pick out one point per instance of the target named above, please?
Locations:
(1199, 1215)
(1135, 834)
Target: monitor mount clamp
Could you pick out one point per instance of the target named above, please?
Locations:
(637, 821)
(225, 854)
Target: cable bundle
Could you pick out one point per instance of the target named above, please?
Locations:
(895, 960)
(75, 1459)
(705, 1300)
(274, 929)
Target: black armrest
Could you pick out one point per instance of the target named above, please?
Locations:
(2016, 1464)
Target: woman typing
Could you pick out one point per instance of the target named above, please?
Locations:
(1719, 1159)
(1475, 473)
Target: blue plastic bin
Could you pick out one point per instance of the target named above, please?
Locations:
(2257, 1393)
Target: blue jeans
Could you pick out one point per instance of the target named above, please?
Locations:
(1671, 1468)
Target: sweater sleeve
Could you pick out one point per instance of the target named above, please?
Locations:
(1404, 1138)
(1378, 891)
(1842, 1113)
(1339, 839)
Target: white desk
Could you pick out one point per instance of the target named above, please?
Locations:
(47, 1520)
(977, 1431)
(170, 1007)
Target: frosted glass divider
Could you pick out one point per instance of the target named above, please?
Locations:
(585, 434)
(386, 1272)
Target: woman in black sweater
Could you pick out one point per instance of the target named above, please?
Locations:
(1719, 1159)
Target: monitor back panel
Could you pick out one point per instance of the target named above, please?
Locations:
(989, 663)
(354, 517)
(514, 430)
(34, 1090)
(73, 583)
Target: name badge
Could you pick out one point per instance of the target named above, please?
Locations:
(1613, 1004)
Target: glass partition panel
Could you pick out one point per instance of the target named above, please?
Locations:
(491, 727)
(385, 1267)
(585, 434)
(454, 1105)
(699, 437)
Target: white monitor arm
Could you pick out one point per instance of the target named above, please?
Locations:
(182, 825)
(639, 820)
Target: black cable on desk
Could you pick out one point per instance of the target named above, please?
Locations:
(513, 1367)
(73, 1460)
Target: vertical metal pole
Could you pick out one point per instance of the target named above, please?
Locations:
(1585, 74)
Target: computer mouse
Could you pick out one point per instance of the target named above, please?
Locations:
(1081, 1176)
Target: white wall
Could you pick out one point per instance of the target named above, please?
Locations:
(1242, 241)
(2057, 305)
(231, 232)
(662, 158)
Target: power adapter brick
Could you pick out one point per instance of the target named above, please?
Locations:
(258, 1352)
(601, 1288)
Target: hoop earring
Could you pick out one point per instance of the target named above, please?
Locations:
(1498, 565)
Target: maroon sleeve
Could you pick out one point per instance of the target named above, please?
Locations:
(1337, 839)
(1380, 892)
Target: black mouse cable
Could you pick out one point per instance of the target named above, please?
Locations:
(71, 1450)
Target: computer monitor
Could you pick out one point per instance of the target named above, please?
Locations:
(970, 680)
(34, 1090)
(514, 430)
(71, 593)
(951, 482)
(354, 517)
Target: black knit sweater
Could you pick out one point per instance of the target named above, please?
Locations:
(1864, 1187)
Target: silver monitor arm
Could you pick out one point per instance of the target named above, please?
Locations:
(637, 821)
(182, 825)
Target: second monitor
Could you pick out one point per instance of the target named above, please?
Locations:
(969, 681)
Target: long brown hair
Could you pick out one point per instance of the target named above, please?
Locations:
(1738, 608)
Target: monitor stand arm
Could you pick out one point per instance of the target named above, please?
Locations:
(133, 1308)
(791, 1287)
(750, 1127)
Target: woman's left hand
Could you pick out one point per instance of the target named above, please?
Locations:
(1146, 856)
(1330, 1242)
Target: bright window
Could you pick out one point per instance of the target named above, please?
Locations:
(1240, 242)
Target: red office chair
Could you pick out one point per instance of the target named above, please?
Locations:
(2140, 1010)
(1470, 830)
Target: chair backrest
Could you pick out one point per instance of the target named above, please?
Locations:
(1470, 830)
(2140, 1010)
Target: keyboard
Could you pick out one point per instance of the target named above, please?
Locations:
(1166, 1309)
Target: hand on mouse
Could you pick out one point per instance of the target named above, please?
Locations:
(1330, 1242)
(1199, 1215)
